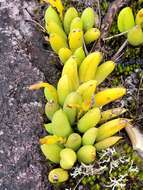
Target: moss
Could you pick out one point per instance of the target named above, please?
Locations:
(104, 6)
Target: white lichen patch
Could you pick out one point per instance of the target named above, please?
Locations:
(107, 164)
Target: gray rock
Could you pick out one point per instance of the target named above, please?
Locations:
(23, 61)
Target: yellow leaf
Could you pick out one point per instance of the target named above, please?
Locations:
(58, 4)
(39, 85)
(51, 139)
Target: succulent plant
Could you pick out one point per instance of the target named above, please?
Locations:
(106, 143)
(75, 105)
(53, 27)
(57, 42)
(50, 108)
(125, 19)
(69, 106)
(76, 24)
(52, 152)
(86, 154)
(70, 14)
(133, 28)
(67, 158)
(89, 136)
(88, 18)
(61, 126)
(89, 65)
(73, 141)
(91, 35)
(139, 18)
(64, 54)
(58, 175)
(75, 39)
(103, 71)
(111, 127)
(48, 128)
(135, 36)
(79, 55)
(52, 15)
(89, 120)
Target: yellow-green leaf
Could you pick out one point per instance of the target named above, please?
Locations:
(58, 4)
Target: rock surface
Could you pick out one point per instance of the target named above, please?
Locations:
(22, 62)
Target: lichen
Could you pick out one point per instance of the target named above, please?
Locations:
(116, 168)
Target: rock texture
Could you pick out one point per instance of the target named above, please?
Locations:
(23, 61)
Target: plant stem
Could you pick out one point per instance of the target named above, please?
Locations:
(115, 36)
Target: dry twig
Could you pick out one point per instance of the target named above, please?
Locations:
(108, 19)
